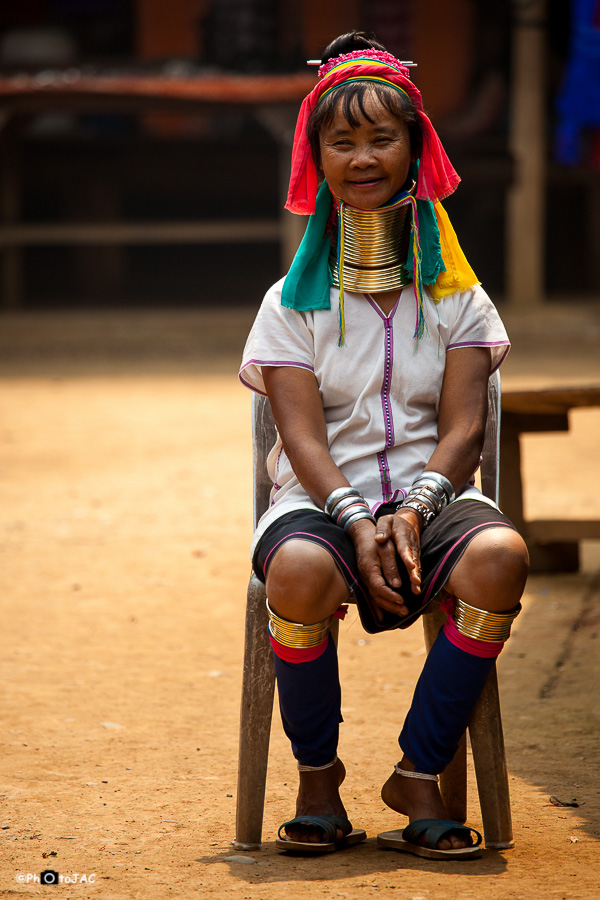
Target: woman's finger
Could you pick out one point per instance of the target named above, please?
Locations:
(380, 592)
(411, 557)
(389, 564)
(398, 607)
(408, 547)
(384, 530)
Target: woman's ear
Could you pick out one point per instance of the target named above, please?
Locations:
(413, 172)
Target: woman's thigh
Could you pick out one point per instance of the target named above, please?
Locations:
(308, 565)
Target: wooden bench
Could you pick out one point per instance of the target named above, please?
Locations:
(553, 544)
(272, 99)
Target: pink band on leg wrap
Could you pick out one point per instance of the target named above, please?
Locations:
(484, 649)
(298, 654)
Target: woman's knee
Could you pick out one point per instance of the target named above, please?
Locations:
(303, 583)
(493, 570)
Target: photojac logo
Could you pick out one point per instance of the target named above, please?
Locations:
(50, 877)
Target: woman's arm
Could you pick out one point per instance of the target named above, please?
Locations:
(461, 430)
(298, 413)
(462, 415)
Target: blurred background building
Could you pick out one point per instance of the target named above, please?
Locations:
(107, 164)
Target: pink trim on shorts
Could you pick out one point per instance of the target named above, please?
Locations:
(476, 528)
(346, 571)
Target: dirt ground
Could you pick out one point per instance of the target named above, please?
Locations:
(122, 623)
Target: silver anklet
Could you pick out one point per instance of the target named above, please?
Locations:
(422, 775)
(328, 765)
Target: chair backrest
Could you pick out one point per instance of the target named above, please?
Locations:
(490, 462)
(264, 434)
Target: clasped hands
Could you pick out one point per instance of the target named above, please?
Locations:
(376, 548)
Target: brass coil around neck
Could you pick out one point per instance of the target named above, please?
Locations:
(375, 249)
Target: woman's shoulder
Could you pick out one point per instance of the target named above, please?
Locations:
(474, 293)
(478, 302)
(471, 302)
(273, 294)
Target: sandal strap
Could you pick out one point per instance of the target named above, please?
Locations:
(329, 824)
(433, 830)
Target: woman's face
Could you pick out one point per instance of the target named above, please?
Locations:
(365, 166)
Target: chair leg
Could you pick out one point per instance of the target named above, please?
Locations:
(487, 742)
(255, 724)
(453, 780)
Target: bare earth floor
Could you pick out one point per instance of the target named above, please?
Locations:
(125, 519)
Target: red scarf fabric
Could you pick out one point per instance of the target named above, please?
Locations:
(437, 177)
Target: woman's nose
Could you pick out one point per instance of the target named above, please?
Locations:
(363, 156)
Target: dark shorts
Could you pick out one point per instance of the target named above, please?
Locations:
(442, 545)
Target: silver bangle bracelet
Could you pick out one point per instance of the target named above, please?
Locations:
(435, 489)
(427, 494)
(338, 494)
(425, 500)
(361, 514)
(351, 511)
(440, 479)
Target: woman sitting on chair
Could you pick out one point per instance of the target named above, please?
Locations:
(375, 353)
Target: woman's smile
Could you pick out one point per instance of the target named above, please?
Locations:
(367, 182)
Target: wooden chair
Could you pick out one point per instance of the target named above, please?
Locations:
(485, 727)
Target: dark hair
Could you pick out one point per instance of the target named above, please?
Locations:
(347, 43)
(351, 97)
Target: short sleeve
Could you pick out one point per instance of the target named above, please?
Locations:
(279, 337)
(476, 323)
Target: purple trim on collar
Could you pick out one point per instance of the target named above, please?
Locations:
(378, 309)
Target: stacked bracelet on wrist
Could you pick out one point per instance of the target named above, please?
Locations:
(429, 495)
(346, 506)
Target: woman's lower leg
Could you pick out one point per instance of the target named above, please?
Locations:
(306, 669)
(456, 671)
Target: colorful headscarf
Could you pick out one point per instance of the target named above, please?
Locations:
(435, 258)
(437, 178)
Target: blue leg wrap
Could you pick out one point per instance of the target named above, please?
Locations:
(445, 696)
(310, 701)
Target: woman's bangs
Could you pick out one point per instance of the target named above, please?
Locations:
(349, 99)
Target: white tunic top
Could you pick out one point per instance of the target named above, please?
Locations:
(380, 391)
